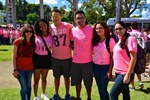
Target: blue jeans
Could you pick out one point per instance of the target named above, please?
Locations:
(25, 84)
(100, 72)
(120, 87)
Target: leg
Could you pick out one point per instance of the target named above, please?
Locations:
(87, 70)
(57, 83)
(126, 94)
(67, 84)
(36, 81)
(78, 90)
(23, 84)
(76, 78)
(29, 77)
(44, 79)
(104, 83)
(120, 87)
(140, 81)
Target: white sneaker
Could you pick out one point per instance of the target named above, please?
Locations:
(36, 98)
(44, 97)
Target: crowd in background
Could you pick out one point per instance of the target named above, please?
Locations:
(9, 34)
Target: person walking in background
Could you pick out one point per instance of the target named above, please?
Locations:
(141, 39)
(61, 52)
(82, 65)
(41, 58)
(102, 58)
(22, 52)
(123, 64)
(5, 36)
(1, 35)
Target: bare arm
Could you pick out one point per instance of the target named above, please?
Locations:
(130, 67)
(14, 55)
(109, 74)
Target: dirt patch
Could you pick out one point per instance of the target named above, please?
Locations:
(8, 81)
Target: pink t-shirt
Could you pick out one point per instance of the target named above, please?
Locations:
(40, 47)
(82, 44)
(61, 40)
(17, 34)
(120, 56)
(12, 34)
(6, 34)
(101, 54)
(1, 32)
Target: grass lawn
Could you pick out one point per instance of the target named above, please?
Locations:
(5, 52)
(13, 93)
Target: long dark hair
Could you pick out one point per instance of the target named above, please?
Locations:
(96, 37)
(37, 28)
(125, 36)
(32, 38)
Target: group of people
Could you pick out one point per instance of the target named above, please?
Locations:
(8, 35)
(50, 46)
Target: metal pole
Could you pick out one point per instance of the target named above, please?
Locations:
(118, 10)
(41, 9)
(75, 6)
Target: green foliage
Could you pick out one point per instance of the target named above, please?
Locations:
(5, 52)
(32, 18)
(1, 6)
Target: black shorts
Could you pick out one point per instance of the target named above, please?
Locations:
(41, 61)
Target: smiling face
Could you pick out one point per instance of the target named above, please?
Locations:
(56, 18)
(43, 27)
(119, 30)
(80, 20)
(100, 30)
(28, 33)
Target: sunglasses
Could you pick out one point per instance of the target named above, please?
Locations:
(56, 17)
(80, 18)
(28, 31)
(118, 29)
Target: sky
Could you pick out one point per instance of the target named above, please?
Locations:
(59, 3)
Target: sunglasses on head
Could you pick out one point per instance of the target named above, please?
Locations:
(29, 31)
(118, 29)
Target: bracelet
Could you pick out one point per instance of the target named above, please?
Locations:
(15, 70)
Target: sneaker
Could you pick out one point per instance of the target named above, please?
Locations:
(132, 88)
(67, 97)
(140, 85)
(44, 97)
(36, 98)
(55, 97)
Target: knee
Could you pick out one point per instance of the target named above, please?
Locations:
(24, 90)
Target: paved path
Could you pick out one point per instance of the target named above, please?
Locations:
(8, 81)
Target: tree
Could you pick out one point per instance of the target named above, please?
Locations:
(1, 6)
(32, 18)
(47, 12)
(131, 5)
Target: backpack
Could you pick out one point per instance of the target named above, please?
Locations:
(147, 44)
(107, 44)
(140, 61)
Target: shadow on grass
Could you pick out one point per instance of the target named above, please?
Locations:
(146, 91)
(72, 98)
